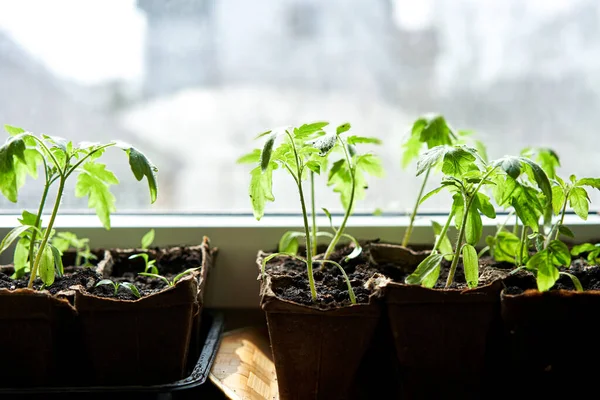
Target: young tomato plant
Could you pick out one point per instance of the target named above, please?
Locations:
(149, 265)
(432, 131)
(63, 241)
(116, 285)
(466, 175)
(60, 159)
(173, 281)
(299, 153)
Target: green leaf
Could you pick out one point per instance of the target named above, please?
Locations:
(506, 247)
(426, 267)
(575, 281)
(27, 218)
(480, 147)
(13, 130)
(93, 181)
(510, 165)
(267, 151)
(340, 177)
(378, 212)
(583, 248)
(355, 253)
(57, 256)
(431, 279)
(262, 134)
(485, 206)
(363, 140)
(132, 288)
(139, 255)
(105, 282)
(445, 247)
(474, 226)
(314, 167)
(459, 160)
(46, 266)
(558, 199)
(431, 158)
(12, 236)
(57, 141)
(592, 182)
(547, 158)
(12, 154)
(370, 164)
(566, 231)
(342, 128)
(324, 143)
(471, 265)
(261, 190)
(182, 274)
(328, 214)
(21, 256)
(250, 158)
(560, 253)
(527, 205)
(539, 176)
(141, 167)
(431, 193)
(579, 202)
(309, 129)
(547, 273)
(289, 242)
(147, 239)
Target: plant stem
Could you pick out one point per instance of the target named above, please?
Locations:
(438, 242)
(522, 245)
(562, 216)
(38, 220)
(313, 211)
(414, 213)
(340, 231)
(34, 270)
(461, 233)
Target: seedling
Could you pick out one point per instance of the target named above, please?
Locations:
(23, 153)
(173, 281)
(116, 285)
(63, 241)
(302, 150)
(466, 175)
(149, 265)
(592, 250)
(432, 131)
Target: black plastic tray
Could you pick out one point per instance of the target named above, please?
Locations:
(212, 328)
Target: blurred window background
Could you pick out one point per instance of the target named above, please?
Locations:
(192, 82)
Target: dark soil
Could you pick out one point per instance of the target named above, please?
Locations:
(588, 275)
(290, 280)
(84, 276)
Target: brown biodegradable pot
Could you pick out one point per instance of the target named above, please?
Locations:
(316, 352)
(551, 336)
(143, 341)
(443, 337)
(31, 323)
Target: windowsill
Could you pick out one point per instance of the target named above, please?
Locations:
(232, 283)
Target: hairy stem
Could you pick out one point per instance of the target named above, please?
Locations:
(38, 220)
(340, 231)
(461, 233)
(409, 229)
(438, 242)
(40, 251)
(562, 216)
(313, 212)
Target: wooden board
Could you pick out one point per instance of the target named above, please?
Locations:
(243, 368)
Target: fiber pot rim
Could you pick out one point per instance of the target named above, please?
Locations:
(534, 293)
(270, 302)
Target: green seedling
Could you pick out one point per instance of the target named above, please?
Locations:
(63, 241)
(116, 285)
(149, 265)
(466, 174)
(147, 239)
(592, 251)
(304, 149)
(430, 131)
(22, 155)
(173, 281)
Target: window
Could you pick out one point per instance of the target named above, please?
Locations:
(192, 82)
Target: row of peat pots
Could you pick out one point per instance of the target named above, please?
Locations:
(502, 339)
(93, 328)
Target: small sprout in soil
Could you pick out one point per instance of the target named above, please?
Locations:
(63, 241)
(430, 130)
(116, 285)
(147, 239)
(591, 250)
(23, 154)
(304, 151)
(149, 265)
(173, 281)
(466, 175)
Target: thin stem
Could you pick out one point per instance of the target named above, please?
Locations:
(309, 255)
(313, 211)
(522, 245)
(86, 157)
(38, 219)
(50, 154)
(562, 216)
(34, 270)
(340, 231)
(409, 229)
(444, 231)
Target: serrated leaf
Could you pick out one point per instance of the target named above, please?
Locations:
(558, 199)
(547, 273)
(582, 248)
(289, 242)
(57, 256)
(267, 152)
(147, 239)
(426, 267)
(362, 140)
(560, 253)
(527, 206)
(370, 164)
(13, 130)
(251, 158)
(94, 181)
(458, 160)
(471, 265)
(46, 266)
(309, 129)
(57, 141)
(430, 158)
(579, 202)
(141, 167)
(445, 247)
(314, 167)
(27, 218)
(325, 143)
(592, 182)
(260, 190)
(12, 154)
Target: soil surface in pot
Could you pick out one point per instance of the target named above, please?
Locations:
(489, 271)
(290, 279)
(73, 276)
(588, 275)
